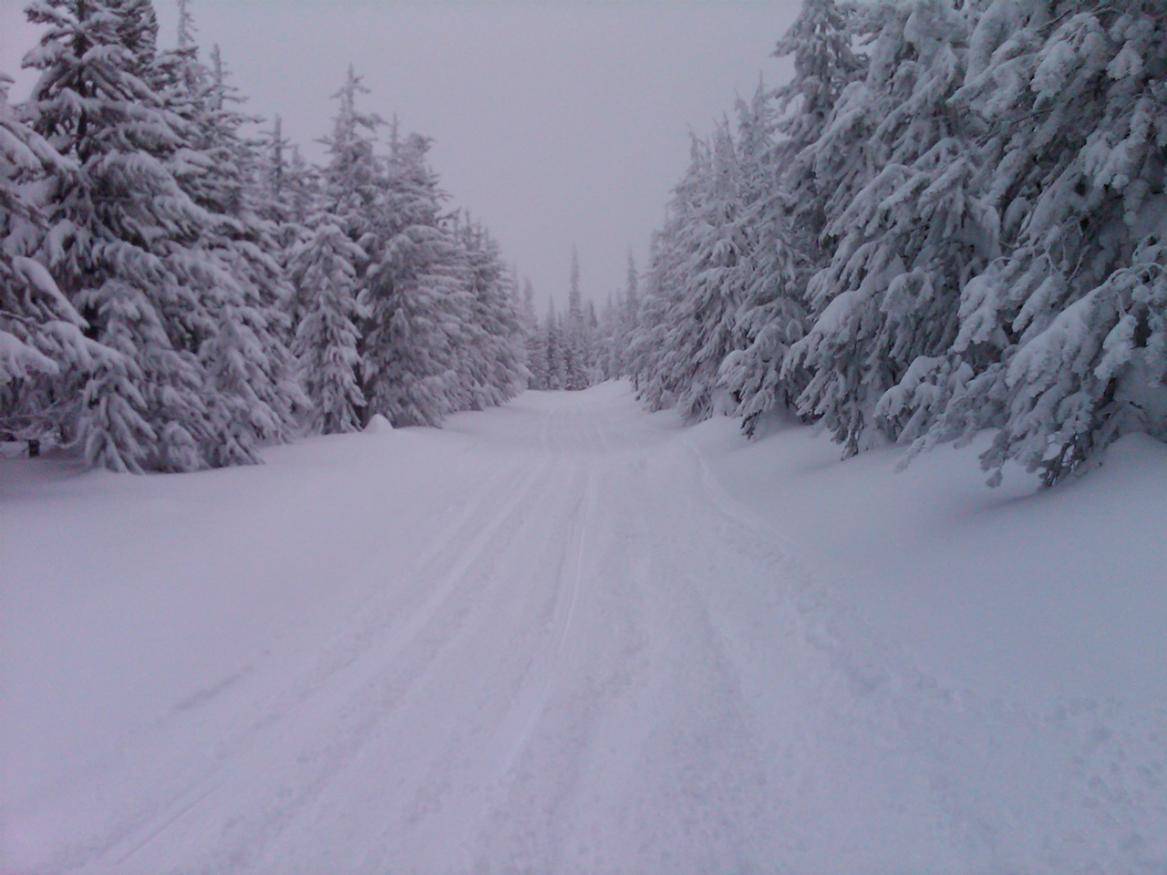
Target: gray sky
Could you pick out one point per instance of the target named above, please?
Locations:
(556, 123)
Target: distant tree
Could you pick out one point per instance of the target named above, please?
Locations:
(625, 321)
(492, 351)
(556, 353)
(536, 339)
(575, 332)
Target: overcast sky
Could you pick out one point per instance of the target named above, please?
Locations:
(556, 123)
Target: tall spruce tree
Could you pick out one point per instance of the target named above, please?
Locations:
(536, 340)
(325, 268)
(122, 233)
(1059, 344)
(771, 316)
(41, 340)
(417, 299)
(887, 303)
(702, 325)
(256, 392)
(574, 345)
(491, 353)
(661, 368)
(556, 354)
(624, 330)
(821, 45)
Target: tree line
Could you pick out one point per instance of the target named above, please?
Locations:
(952, 219)
(177, 291)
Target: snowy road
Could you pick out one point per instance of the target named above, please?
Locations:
(542, 640)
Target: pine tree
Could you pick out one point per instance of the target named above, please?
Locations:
(574, 347)
(1058, 340)
(353, 178)
(703, 330)
(660, 362)
(274, 173)
(771, 316)
(978, 200)
(624, 332)
(492, 350)
(284, 200)
(416, 298)
(327, 335)
(609, 355)
(536, 340)
(825, 64)
(121, 233)
(256, 391)
(556, 354)
(41, 340)
(648, 354)
(347, 198)
(592, 346)
(303, 199)
(886, 306)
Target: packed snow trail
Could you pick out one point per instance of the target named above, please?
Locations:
(542, 640)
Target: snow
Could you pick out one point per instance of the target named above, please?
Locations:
(378, 424)
(567, 636)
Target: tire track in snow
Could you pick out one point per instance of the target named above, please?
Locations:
(377, 698)
(177, 718)
(445, 561)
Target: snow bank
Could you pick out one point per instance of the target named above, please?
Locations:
(379, 425)
(1014, 591)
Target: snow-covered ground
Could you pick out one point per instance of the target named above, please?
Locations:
(566, 636)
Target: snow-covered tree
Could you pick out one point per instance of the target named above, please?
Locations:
(771, 315)
(121, 233)
(1096, 372)
(327, 336)
(417, 299)
(609, 356)
(556, 353)
(41, 340)
(353, 178)
(649, 364)
(536, 340)
(702, 327)
(907, 241)
(821, 45)
(574, 341)
(255, 389)
(1073, 94)
(285, 199)
(274, 173)
(623, 332)
(491, 351)
(303, 200)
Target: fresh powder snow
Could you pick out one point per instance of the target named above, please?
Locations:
(567, 636)
(820, 529)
